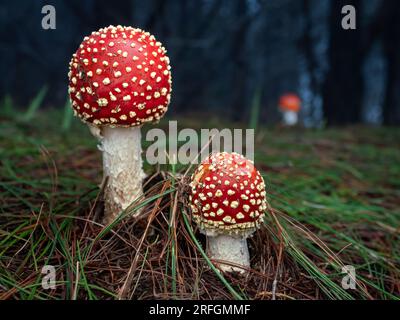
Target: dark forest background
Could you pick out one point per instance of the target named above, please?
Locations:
(226, 54)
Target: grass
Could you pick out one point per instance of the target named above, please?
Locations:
(334, 198)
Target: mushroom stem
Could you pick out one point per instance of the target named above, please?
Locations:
(229, 249)
(122, 164)
(290, 118)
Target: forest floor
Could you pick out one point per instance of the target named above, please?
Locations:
(334, 199)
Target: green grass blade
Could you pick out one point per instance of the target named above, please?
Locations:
(35, 104)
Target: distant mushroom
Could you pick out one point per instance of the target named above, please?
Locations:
(228, 201)
(289, 105)
(119, 79)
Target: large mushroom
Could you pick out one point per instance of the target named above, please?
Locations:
(228, 201)
(119, 79)
(289, 105)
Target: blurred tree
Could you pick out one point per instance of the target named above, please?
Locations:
(156, 15)
(307, 44)
(239, 58)
(390, 15)
(222, 52)
(196, 40)
(120, 12)
(343, 87)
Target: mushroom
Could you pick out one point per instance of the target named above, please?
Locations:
(119, 79)
(227, 201)
(289, 105)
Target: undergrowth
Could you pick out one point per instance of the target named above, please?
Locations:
(334, 199)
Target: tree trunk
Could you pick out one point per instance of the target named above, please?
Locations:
(119, 13)
(342, 94)
(238, 57)
(307, 45)
(391, 47)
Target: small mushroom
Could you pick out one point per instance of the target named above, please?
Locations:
(119, 79)
(228, 201)
(289, 105)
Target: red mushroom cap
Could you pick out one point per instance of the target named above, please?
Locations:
(228, 195)
(120, 76)
(290, 102)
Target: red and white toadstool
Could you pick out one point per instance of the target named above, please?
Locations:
(119, 79)
(289, 105)
(228, 201)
